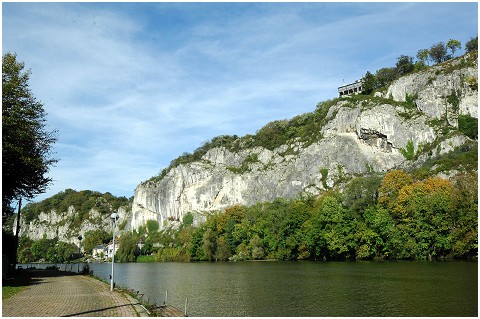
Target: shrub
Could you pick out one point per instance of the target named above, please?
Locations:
(409, 151)
(468, 125)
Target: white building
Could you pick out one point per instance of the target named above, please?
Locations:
(104, 251)
(352, 88)
(100, 252)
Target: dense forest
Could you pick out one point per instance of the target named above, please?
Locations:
(394, 217)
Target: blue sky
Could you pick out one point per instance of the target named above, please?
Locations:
(131, 86)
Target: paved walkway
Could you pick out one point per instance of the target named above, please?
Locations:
(60, 294)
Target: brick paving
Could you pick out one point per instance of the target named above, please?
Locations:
(60, 294)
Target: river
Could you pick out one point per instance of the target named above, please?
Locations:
(306, 289)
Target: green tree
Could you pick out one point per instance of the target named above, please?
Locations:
(464, 234)
(209, 244)
(468, 125)
(24, 250)
(472, 45)
(385, 76)
(369, 83)
(438, 52)
(39, 249)
(453, 45)
(92, 238)
(404, 65)
(422, 55)
(26, 144)
(362, 192)
(128, 244)
(152, 226)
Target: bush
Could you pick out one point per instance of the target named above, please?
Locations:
(468, 125)
(409, 151)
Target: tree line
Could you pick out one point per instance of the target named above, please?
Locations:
(383, 218)
(438, 53)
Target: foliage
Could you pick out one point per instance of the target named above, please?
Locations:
(468, 125)
(438, 52)
(152, 226)
(390, 187)
(453, 45)
(454, 100)
(92, 238)
(404, 65)
(127, 247)
(81, 201)
(409, 151)
(422, 55)
(472, 45)
(49, 250)
(26, 145)
(369, 83)
(376, 217)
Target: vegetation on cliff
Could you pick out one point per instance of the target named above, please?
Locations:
(82, 201)
(306, 128)
(392, 217)
(409, 214)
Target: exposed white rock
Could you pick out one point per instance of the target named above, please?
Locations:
(356, 139)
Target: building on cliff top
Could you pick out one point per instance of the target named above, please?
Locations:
(352, 88)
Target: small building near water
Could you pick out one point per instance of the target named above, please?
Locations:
(352, 88)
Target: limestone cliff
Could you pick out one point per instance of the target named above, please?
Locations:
(63, 225)
(361, 134)
(354, 135)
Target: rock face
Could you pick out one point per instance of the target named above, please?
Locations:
(360, 135)
(56, 224)
(368, 135)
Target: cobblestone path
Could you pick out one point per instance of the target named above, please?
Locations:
(54, 295)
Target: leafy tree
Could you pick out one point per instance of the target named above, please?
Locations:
(453, 45)
(187, 220)
(385, 76)
(24, 250)
(464, 235)
(152, 226)
(438, 52)
(209, 244)
(223, 251)
(40, 248)
(26, 145)
(127, 246)
(92, 238)
(390, 187)
(472, 45)
(422, 55)
(404, 65)
(468, 125)
(369, 83)
(362, 192)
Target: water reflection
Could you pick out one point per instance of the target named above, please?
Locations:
(306, 288)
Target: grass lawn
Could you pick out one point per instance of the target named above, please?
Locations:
(146, 259)
(19, 282)
(8, 291)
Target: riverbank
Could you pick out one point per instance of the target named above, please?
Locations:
(52, 293)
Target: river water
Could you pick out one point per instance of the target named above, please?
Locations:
(306, 288)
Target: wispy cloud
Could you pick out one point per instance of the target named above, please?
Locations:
(130, 86)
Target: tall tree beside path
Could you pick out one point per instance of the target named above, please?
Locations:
(26, 144)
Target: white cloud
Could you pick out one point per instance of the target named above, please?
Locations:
(132, 86)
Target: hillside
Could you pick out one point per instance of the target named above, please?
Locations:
(424, 123)
(417, 119)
